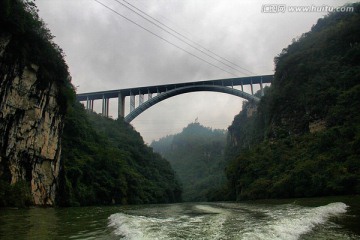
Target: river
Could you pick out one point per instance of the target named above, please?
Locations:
(315, 218)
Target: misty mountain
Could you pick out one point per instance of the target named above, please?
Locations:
(196, 155)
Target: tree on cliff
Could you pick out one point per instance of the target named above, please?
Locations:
(32, 43)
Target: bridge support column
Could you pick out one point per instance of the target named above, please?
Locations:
(121, 106)
(105, 107)
(141, 99)
(261, 88)
(90, 104)
(252, 89)
(132, 102)
(149, 95)
(87, 103)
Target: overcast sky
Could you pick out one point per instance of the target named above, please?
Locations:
(104, 51)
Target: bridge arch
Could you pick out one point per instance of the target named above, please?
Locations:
(187, 89)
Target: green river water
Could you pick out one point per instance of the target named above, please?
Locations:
(315, 218)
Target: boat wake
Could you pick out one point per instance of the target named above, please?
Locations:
(209, 221)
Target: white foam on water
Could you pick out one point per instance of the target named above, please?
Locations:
(138, 227)
(281, 222)
(178, 227)
(213, 227)
(210, 209)
(292, 222)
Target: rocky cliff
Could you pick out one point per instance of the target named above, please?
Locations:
(30, 126)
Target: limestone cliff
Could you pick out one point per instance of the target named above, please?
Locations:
(30, 126)
(238, 130)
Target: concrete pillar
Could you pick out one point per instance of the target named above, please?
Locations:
(141, 99)
(242, 86)
(92, 105)
(87, 103)
(149, 94)
(121, 106)
(252, 89)
(103, 107)
(132, 102)
(261, 87)
(107, 107)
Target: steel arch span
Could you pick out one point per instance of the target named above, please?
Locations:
(187, 89)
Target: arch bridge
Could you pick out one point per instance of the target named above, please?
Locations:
(170, 90)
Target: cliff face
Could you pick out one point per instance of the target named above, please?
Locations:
(238, 134)
(30, 127)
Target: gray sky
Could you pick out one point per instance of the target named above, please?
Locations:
(104, 51)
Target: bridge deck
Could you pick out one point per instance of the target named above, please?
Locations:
(163, 88)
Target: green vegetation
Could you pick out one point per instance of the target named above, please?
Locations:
(105, 161)
(17, 195)
(32, 43)
(196, 154)
(304, 140)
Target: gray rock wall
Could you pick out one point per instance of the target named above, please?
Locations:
(30, 129)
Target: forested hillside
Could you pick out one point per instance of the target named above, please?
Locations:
(196, 154)
(304, 139)
(106, 161)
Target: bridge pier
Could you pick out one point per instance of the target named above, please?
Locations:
(132, 102)
(121, 105)
(105, 107)
(141, 98)
(89, 104)
(261, 88)
(92, 105)
(252, 89)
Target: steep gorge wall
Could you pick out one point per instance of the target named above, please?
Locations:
(304, 140)
(30, 127)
